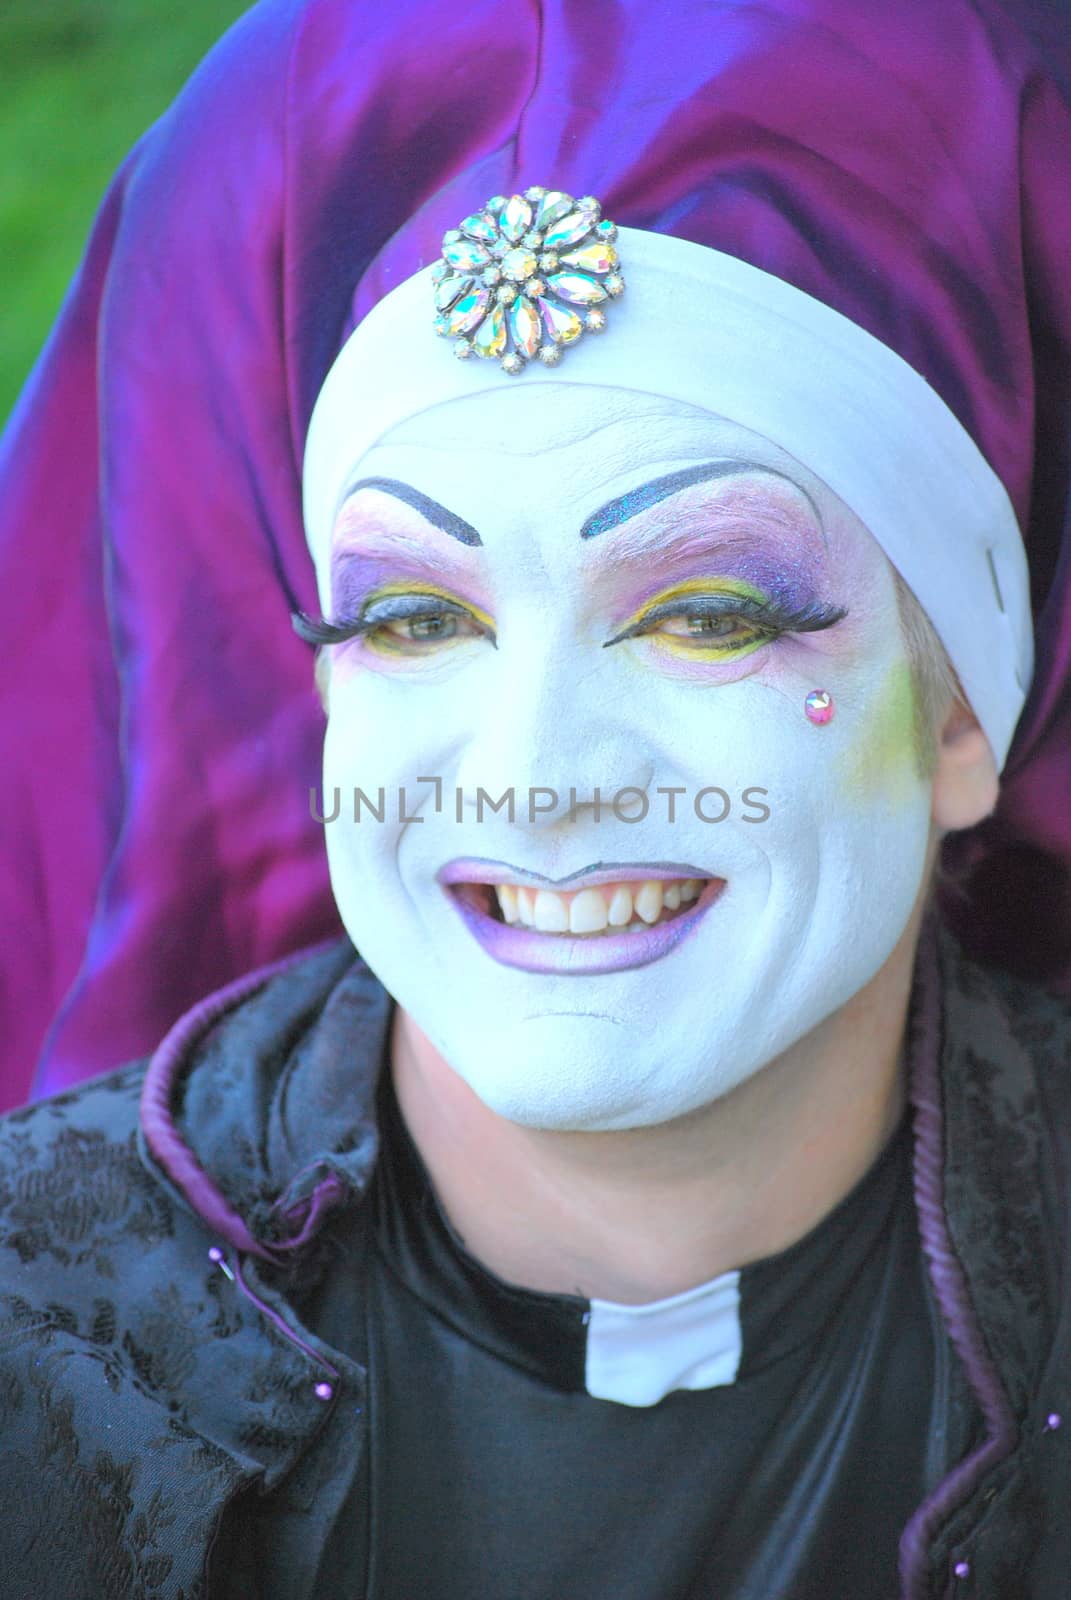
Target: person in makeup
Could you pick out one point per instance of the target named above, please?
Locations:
(725, 587)
(656, 1184)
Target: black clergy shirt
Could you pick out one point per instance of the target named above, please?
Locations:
(810, 1424)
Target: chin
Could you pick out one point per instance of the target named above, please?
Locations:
(612, 1091)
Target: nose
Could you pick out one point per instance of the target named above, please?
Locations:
(555, 729)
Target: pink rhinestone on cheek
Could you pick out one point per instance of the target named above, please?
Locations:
(818, 706)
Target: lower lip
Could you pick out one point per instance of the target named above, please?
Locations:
(516, 946)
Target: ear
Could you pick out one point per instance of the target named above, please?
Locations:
(966, 782)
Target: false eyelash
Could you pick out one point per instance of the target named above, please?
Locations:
(326, 630)
(320, 630)
(767, 614)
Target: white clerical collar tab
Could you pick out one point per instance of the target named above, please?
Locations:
(636, 1355)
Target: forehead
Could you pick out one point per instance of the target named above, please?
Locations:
(568, 447)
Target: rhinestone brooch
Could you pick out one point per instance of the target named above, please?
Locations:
(525, 277)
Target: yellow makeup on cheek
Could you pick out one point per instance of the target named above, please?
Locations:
(745, 638)
(884, 759)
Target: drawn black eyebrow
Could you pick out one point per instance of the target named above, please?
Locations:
(430, 509)
(645, 495)
(615, 512)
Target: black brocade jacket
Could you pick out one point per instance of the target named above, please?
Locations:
(159, 1226)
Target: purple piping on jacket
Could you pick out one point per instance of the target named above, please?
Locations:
(328, 1193)
(283, 1326)
(949, 1282)
(163, 1139)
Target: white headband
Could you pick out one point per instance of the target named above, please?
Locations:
(702, 327)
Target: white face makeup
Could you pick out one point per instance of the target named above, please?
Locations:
(524, 522)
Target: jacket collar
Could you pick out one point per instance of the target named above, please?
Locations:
(258, 1107)
(978, 1175)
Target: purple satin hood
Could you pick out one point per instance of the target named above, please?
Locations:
(908, 165)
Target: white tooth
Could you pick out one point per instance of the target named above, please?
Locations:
(649, 901)
(671, 895)
(587, 912)
(549, 913)
(690, 889)
(524, 907)
(507, 900)
(620, 912)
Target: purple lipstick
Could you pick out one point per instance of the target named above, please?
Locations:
(679, 896)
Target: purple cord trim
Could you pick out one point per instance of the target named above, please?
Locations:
(283, 1326)
(328, 1194)
(162, 1137)
(949, 1282)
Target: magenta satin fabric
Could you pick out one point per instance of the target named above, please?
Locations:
(907, 164)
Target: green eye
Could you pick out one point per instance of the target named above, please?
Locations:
(699, 625)
(419, 632)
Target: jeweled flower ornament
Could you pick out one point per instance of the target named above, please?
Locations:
(525, 277)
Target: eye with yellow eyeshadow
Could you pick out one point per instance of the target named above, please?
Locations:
(722, 622)
(401, 622)
(697, 628)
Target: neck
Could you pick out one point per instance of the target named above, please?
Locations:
(645, 1213)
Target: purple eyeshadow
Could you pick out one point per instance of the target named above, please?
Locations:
(355, 576)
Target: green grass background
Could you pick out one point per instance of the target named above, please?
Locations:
(80, 80)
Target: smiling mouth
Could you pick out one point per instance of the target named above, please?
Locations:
(589, 914)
